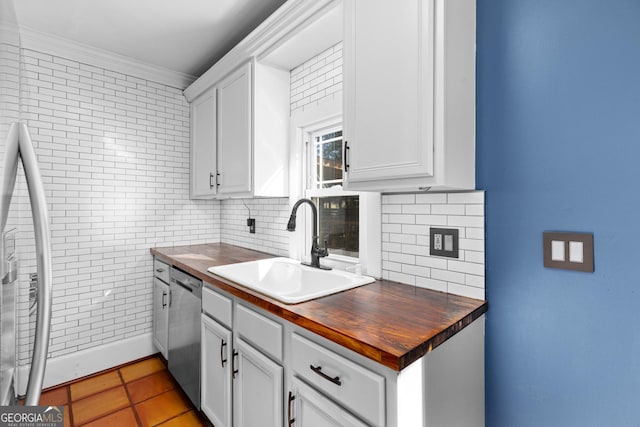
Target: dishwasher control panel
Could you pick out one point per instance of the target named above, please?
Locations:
(187, 281)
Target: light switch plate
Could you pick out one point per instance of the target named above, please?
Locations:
(443, 242)
(568, 251)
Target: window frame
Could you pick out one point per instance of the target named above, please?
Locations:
(312, 191)
(314, 118)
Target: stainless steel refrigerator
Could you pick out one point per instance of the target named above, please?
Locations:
(16, 148)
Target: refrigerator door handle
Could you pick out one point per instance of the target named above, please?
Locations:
(43, 256)
(19, 146)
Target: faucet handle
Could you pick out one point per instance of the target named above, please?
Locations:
(324, 251)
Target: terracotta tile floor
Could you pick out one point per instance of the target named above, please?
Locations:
(142, 393)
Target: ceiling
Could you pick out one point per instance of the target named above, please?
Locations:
(187, 36)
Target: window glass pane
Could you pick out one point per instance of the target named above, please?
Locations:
(338, 219)
(328, 159)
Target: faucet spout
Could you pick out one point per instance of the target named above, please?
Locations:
(316, 251)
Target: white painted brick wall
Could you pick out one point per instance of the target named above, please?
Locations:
(114, 155)
(316, 79)
(406, 219)
(271, 217)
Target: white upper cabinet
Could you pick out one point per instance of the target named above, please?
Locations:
(239, 134)
(203, 145)
(409, 94)
(240, 107)
(234, 132)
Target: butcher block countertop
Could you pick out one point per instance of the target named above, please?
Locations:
(391, 323)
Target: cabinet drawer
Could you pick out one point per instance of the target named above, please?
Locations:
(260, 330)
(161, 270)
(217, 306)
(358, 389)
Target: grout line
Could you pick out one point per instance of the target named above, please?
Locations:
(131, 404)
(71, 423)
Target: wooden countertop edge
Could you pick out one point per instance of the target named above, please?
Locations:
(440, 338)
(392, 361)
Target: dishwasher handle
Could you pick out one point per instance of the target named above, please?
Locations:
(184, 285)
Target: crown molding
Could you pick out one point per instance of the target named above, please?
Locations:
(68, 49)
(9, 33)
(283, 24)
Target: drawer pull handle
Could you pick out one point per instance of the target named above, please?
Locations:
(318, 370)
(234, 371)
(290, 420)
(345, 156)
(164, 294)
(223, 344)
(159, 270)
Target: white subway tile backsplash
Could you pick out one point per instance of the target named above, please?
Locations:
(431, 198)
(466, 267)
(406, 245)
(271, 217)
(474, 197)
(428, 283)
(467, 291)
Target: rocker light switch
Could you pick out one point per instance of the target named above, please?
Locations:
(557, 250)
(576, 252)
(568, 251)
(443, 242)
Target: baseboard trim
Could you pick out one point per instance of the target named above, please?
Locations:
(86, 362)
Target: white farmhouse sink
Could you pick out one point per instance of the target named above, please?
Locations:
(287, 280)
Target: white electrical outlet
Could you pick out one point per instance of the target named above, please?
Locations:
(437, 242)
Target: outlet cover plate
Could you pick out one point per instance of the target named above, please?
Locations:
(448, 239)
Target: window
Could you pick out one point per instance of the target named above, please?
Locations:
(350, 222)
(338, 211)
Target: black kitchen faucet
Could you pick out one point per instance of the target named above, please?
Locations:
(316, 251)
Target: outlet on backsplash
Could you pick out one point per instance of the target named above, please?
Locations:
(444, 242)
(407, 241)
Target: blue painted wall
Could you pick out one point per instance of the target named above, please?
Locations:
(558, 148)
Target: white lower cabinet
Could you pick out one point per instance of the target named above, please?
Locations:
(257, 389)
(160, 331)
(308, 408)
(358, 389)
(241, 386)
(279, 374)
(160, 315)
(216, 372)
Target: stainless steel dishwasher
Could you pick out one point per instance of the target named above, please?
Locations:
(185, 305)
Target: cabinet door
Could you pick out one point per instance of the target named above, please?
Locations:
(308, 408)
(258, 388)
(203, 145)
(160, 315)
(234, 132)
(216, 372)
(388, 83)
